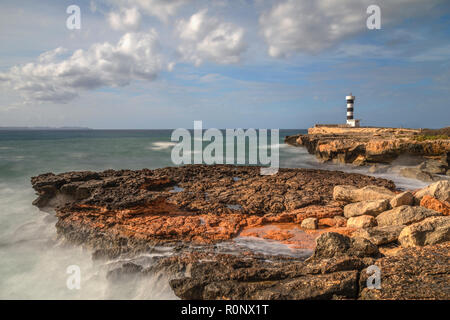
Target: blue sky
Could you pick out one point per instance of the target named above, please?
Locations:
(262, 64)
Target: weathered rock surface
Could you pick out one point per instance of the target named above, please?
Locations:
(115, 212)
(333, 272)
(309, 223)
(126, 212)
(380, 235)
(368, 145)
(419, 174)
(368, 193)
(336, 221)
(439, 190)
(402, 199)
(338, 277)
(433, 166)
(413, 273)
(372, 208)
(432, 230)
(434, 204)
(364, 221)
(332, 244)
(229, 277)
(404, 215)
(340, 221)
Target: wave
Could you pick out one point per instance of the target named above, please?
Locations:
(162, 145)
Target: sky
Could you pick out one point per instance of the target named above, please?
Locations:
(154, 64)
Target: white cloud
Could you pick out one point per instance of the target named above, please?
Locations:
(311, 26)
(51, 55)
(125, 19)
(162, 9)
(135, 57)
(208, 38)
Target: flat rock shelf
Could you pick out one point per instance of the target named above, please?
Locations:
(196, 210)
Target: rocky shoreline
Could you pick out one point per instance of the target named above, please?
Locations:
(374, 146)
(347, 221)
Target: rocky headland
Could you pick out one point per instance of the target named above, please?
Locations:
(379, 147)
(342, 223)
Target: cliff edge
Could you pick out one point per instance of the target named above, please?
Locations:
(361, 146)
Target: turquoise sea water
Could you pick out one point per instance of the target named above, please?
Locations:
(32, 262)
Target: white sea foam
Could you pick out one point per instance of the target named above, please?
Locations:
(162, 145)
(33, 263)
(275, 145)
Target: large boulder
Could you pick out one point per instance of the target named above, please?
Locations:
(436, 205)
(404, 215)
(380, 235)
(332, 244)
(439, 190)
(402, 199)
(353, 194)
(361, 222)
(432, 230)
(372, 208)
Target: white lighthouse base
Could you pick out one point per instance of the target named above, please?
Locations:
(353, 123)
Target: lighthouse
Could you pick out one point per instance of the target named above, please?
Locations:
(350, 102)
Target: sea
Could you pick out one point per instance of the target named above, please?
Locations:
(34, 263)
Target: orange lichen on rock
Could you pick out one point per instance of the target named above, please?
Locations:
(197, 204)
(319, 212)
(342, 230)
(286, 233)
(158, 221)
(291, 233)
(298, 215)
(327, 222)
(434, 204)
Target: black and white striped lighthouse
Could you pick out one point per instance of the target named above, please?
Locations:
(350, 102)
